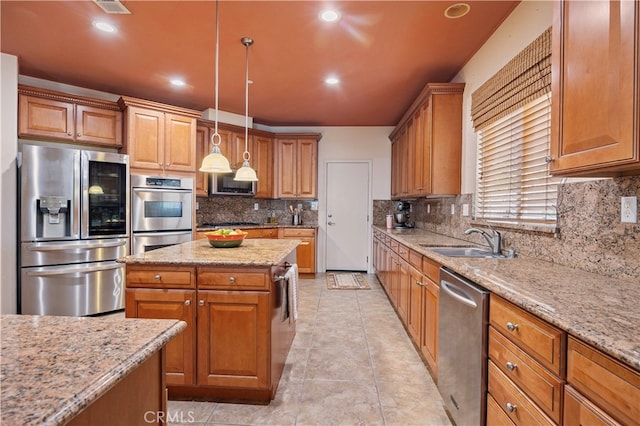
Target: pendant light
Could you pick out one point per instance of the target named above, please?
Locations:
(215, 162)
(246, 173)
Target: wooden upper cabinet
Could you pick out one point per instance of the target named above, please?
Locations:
(297, 166)
(159, 137)
(202, 150)
(427, 151)
(595, 88)
(54, 116)
(262, 163)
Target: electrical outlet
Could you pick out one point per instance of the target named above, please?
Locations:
(197, 205)
(465, 210)
(453, 209)
(629, 209)
(299, 206)
(314, 205)
(256, 206)
(428, 208)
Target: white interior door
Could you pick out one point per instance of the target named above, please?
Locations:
(347, 215)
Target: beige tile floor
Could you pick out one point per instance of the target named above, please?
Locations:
(351, 363)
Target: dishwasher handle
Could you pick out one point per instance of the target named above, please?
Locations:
(457, 293)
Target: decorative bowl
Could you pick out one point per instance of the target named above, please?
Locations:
(226, 241)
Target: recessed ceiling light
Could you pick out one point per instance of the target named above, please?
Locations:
(457, 10)
(104, 26)
(178, 82)
(330, 15)
(332, 81)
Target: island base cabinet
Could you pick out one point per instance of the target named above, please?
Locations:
(233, 339)
(169, 304)
(139, 399)
(578, 410)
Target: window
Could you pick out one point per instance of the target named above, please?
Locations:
(513, 182)
(511, 113)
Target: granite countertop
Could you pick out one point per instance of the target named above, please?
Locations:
(252, 252)
(53, 367)
(597, 309)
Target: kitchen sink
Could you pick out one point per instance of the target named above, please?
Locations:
(464, 252)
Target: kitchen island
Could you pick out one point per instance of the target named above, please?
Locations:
(239, 306)
(58, 370)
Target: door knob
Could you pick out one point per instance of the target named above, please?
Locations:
(330, 215)
(330, 223)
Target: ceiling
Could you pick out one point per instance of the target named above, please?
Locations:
(383, 52)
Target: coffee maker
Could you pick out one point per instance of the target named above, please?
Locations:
(401, 215)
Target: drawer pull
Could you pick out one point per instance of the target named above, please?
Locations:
(232, 280)
(511, 366)
(511, 407)
(187, 302)
(157, 277)
(201, 302)
(511, 326)
(420, 283)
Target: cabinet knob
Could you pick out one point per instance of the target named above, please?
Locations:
(511, 407)
(232, 280)
(511, 366)
(549, 159)
(511, 326)
(79, 134)
(69, 134)
(420, 283)
(187, 302)
(161, 164)
(201, 302)
(157, 277)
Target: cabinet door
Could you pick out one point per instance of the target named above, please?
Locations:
(403, 282)
(307, 173)
(429, 341)
(169, 304)
(180, 143)
(145, 138)
(233, 339)
(98, 126)
(306, 256)
(238, 148)
(262, 163)
(48, 118)
(286, 168)
(202, 150)
(414, 316)
(594, 86)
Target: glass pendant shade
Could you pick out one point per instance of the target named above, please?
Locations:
(215, 162)
(246, 173)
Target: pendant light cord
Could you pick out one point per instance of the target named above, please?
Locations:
(245, 155)
(215, 131)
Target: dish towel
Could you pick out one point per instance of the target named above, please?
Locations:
(292, 276)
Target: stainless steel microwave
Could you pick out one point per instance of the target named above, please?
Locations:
(223, 184)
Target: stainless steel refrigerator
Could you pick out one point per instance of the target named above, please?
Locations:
(73, 206)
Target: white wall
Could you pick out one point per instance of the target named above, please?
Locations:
(528, 20)
(8, 176)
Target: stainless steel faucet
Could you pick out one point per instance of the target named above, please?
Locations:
(494, 240)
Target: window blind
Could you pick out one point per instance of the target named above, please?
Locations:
(513, 174)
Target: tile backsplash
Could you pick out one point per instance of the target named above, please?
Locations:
(242, 209)
(589, 234)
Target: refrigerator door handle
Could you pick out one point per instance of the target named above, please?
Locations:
(74, 270)
(61, 247)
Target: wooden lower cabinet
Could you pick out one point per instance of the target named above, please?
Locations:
(429, 338)
(306, 251)
(578, 410)
(235, 344)
(169, 304)
(232, 339)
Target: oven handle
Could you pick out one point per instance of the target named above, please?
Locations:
(160, 233)
(176, 191)
(60, 247)
(74, 269)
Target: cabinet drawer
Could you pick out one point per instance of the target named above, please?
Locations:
(415, 259)
(578, 411)
(611, 385)
(160, 276)
(515, 404)
(403, 251)
(233, 279)
(270, 233)
(495, 415)
(298, 232)
(431, 268)
(254, 232)
(541, 386)
(542, 341)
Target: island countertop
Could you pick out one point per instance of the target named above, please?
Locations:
(252, 252)
(53, 367)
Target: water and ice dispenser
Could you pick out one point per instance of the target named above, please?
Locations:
(52, 217)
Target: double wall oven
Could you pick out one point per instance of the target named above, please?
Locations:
(73, 208)
(161, 212)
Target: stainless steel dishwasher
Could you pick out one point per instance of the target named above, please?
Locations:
(463, 309)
